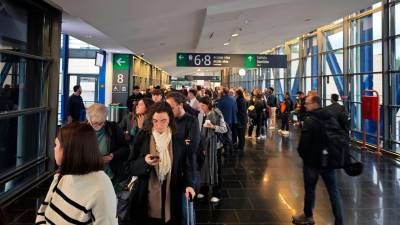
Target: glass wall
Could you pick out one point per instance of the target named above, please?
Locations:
(80, 57)
(394, 77)
(26, 62)
(346, 58)
(365, 68)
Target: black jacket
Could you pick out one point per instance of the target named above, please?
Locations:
(131, 99)
(312, 139)
(242, 112)
(75, 107)
(187, 127)
(181, 177)
(339, 112)
(118, 147)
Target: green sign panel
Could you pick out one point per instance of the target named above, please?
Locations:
(230, 60)
(121, 62)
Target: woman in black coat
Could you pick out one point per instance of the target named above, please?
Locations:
(157, 198)
(242, 118)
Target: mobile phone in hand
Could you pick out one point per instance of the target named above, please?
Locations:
(153, 157)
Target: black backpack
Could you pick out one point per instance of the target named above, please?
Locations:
(336, 144)
(225, 138)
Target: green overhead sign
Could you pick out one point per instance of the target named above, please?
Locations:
(184, 59)
(121, 62)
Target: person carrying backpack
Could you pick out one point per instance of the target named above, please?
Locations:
(316, 150)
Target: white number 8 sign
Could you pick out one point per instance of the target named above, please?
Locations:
(120, 78)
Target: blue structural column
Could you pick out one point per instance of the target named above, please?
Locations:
(102, 81)
(65, 80)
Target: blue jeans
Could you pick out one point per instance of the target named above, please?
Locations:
(310, 182)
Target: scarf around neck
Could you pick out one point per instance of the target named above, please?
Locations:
(162, 142)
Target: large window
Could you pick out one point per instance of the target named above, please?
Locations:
(346, 58)
(332, 64)
(294, 69)
(365, 67)
(25, 65)
(310, 62)
(394, 88)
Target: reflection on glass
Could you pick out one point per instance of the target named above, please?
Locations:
(21, 179)
(21, 140)
(21, 87)
(13, 25)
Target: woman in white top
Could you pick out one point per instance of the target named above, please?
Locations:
(81, 193)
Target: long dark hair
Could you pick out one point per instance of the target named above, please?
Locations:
(160, 107)
(81, 154)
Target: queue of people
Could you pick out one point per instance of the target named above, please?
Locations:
(172, 143)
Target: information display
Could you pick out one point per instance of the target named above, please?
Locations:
(230, 60)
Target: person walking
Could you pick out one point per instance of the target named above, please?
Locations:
(310, 149)
(75, 106)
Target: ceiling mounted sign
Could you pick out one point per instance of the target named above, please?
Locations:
(230, 60)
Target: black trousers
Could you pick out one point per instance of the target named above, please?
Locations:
(285, 122)
(241, 132)
(259, 123)
(234, 133)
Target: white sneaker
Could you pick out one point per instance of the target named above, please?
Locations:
(263, 137)
(214, 200)
(200, 196)
(259, 138)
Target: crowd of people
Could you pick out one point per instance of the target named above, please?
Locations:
(172, 142)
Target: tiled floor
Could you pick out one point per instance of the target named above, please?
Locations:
(265, 187)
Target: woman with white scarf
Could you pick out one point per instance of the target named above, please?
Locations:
(164, 170)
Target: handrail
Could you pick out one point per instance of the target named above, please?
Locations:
(10, 114)
(11, 174)
(24, 55)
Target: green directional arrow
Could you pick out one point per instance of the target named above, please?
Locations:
(181, 59)
(121, 62)
(250, 61)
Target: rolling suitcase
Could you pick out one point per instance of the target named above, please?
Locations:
(190, 218)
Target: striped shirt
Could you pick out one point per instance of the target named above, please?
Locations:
(79, 199)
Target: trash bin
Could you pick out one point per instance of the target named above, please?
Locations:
(116, 112)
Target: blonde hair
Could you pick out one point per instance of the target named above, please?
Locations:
(97, 112)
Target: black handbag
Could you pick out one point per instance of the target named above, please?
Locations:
(124, 194)
(353, 167)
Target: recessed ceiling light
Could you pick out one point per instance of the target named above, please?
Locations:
(227, 43)
(235, 35)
